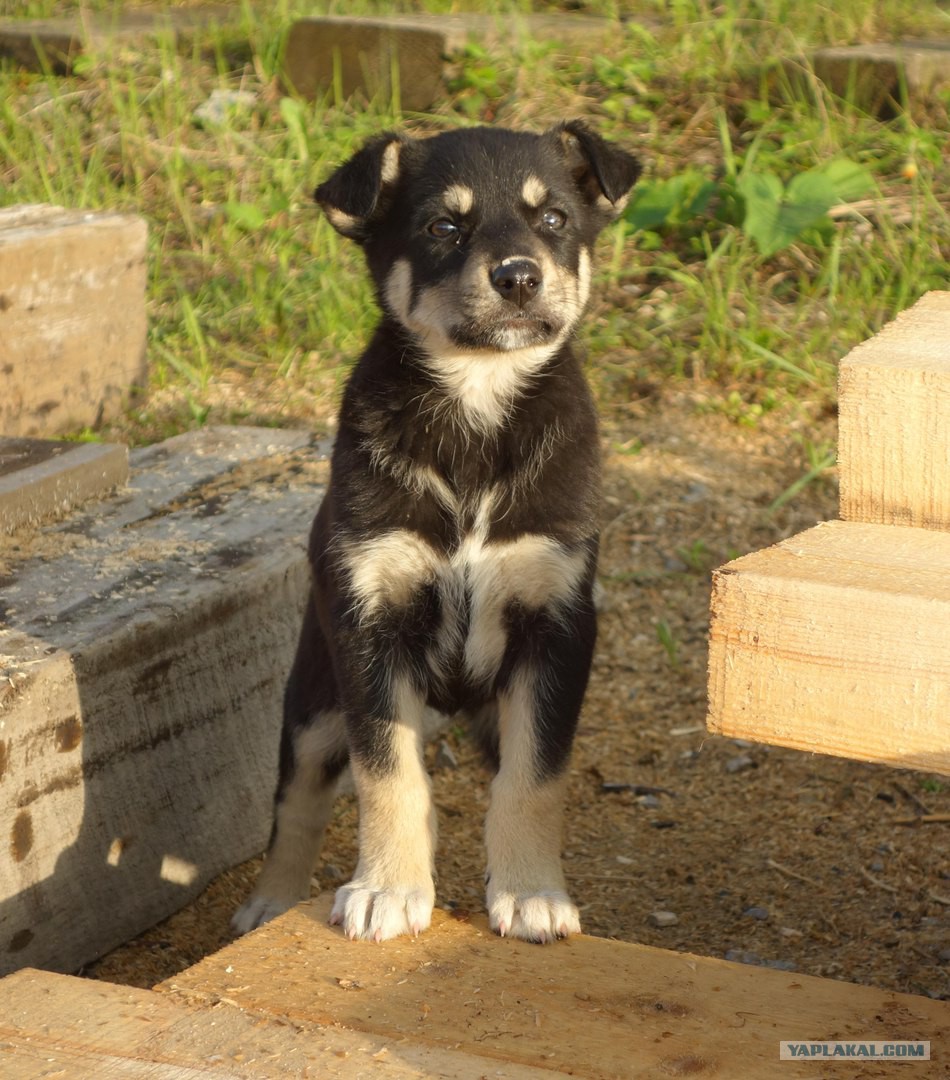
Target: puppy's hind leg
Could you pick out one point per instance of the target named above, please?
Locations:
(392, 891)
(313, 754)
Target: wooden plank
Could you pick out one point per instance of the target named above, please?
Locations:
(55, 43)
(61, 1028)
(836, 641)
(72, 316)
(143, 647)
(873, 76)
(359, 54)
(586, 1006)
(894, 421)
(41, 479)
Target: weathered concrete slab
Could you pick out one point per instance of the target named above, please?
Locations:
(144, 643)
(361, 54)
(871, 76)
(54, 44)
(41, 479)
(72, 316)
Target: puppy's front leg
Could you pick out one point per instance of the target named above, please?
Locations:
(392, 891)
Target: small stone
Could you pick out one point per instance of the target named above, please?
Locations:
(756, 913)
(445, 757)
(662, 918)
(780, 965)
(741, 763)
(222, 103)
(944, 956)
(649, 802)
(624, 861)
(743, 744)
(334, 873)
(876, 867)
(695, 493)
(743, 956)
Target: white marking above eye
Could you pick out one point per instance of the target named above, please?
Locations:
(458, 199)
(389, 169)
(534, 191)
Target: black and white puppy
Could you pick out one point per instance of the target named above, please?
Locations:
(454, 553)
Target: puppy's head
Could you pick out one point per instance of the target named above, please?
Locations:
(480, 239)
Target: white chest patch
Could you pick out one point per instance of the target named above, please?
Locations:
(475, 585)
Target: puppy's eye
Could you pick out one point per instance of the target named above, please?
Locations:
(443, 229)
(554, 219)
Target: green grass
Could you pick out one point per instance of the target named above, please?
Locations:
(249, 287)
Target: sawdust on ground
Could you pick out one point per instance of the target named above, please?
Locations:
(763, 854)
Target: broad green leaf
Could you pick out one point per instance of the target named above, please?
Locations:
(776, 216)
(672, 201)
(245, 215)
(849, 179)
(651, 205)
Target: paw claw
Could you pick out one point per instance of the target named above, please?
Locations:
(541, 916)
(376, 913)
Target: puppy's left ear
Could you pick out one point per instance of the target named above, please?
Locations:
(603, 171)
(357, 191)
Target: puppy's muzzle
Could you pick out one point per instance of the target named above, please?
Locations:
(518, 281)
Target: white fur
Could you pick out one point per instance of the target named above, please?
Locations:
(387, 570)
(527, 894)
(486, 382)
(301, 818)
(458, 199)
(534, 569)
(389, 169)
(534, 191)
(341, 220)
(392, 890)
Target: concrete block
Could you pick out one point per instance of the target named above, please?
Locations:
(144, 643)
(364, 51)
(72, 316)
(41, 479)
(54, 44)
(871, 75)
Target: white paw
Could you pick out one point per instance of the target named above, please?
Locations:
(256, 911)
(541, 916)
(367, 911)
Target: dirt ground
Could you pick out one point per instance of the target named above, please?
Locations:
(763, 855)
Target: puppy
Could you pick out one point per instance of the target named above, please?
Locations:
(454, 553)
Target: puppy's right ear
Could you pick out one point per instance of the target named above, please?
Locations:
(352, 195)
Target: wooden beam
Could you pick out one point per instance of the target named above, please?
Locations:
(142, 652)
(894, 421)
(72, 316)
(836, 641)
(586, 1007)
(60, 1027)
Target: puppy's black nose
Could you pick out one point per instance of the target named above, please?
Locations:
(517, 280)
